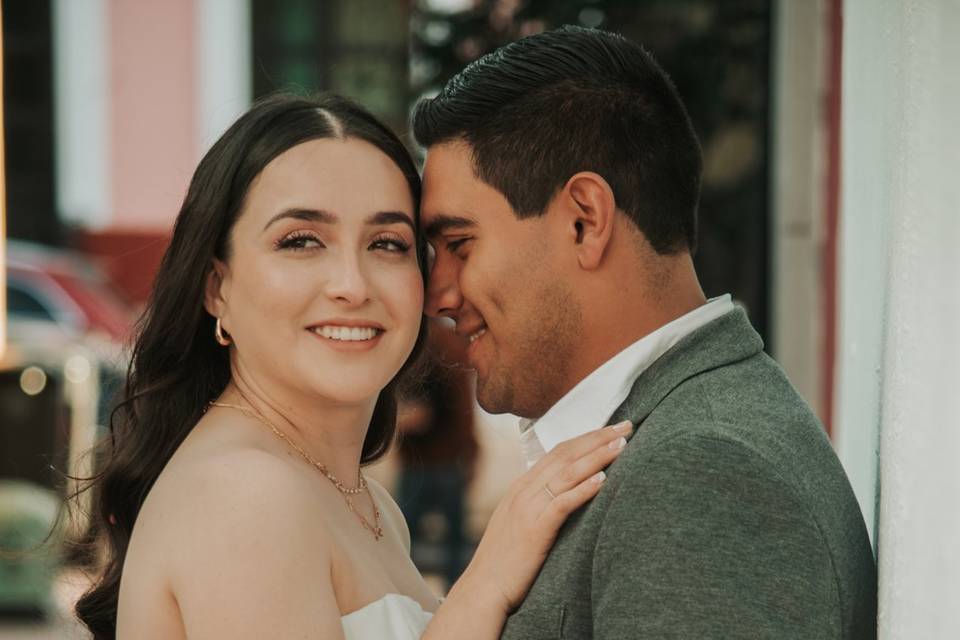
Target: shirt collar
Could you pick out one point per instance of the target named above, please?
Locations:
(593, 400)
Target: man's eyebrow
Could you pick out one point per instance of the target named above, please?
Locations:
(443, 222)
(308, 215)
(391, 217)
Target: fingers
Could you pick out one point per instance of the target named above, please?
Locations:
(525, 523)
(571, 474)
(567, 452)
(569, 501)
(565, 455)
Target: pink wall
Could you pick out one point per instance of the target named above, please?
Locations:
(153, 110)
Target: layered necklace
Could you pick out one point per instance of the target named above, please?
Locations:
(344, 490)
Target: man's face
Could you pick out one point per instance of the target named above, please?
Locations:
(502, 280)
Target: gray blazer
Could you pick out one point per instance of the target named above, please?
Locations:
(728, 515)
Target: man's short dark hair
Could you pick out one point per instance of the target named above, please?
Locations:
(540, 109)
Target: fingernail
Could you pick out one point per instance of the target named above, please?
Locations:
(619, 443)
(599, 477)
(624, 427)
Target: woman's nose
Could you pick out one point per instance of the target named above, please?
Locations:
(347, 283)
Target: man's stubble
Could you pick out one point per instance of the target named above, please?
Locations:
(532, 372)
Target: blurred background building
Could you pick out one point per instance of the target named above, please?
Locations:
(828, 129)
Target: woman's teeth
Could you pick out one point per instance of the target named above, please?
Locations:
(476, 335)
(347, 334)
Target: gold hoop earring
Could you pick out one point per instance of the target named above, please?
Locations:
(222, 338)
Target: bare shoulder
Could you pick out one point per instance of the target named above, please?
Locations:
(240, 531)
(393, 521)
(241, 491)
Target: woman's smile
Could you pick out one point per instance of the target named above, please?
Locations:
(348, 336)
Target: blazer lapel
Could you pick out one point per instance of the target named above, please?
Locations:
(728, 339)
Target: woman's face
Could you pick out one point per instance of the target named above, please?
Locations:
(322, 293)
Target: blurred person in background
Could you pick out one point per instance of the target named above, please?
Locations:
(561, 187)
(438, 447)
(230, 501)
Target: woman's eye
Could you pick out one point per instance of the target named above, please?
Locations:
(299, 241)
(393, 245)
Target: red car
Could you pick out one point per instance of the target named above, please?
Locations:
(53, 285)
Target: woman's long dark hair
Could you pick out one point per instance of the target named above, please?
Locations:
(177, 368)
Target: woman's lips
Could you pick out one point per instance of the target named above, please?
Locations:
(346, 333)
(348, 338)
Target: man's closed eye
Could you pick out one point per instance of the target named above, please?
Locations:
(457, 246)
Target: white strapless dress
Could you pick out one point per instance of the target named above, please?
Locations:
(392, 617)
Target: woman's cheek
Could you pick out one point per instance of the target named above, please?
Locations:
(416, 289)
(277, 293)
(406, 299)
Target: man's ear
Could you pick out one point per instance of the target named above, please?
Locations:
(213, 300)
(593, 214)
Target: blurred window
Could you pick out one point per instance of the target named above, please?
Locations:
(358, 48)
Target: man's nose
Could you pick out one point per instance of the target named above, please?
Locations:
(443, 297)
(346, 283)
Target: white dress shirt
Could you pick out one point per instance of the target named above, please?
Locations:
(591, 403)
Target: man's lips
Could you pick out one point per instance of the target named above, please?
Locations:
(474, 339)
(472, 334)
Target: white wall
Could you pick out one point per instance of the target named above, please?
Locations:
(899, 358)
(224, 60)
(869, 119)
(81, 92)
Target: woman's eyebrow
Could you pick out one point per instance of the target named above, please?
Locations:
(325, 217)
(391, 217)
(308, 215)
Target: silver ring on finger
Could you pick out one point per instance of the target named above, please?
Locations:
(552, 495)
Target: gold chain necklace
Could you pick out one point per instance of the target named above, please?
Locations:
(345, 491)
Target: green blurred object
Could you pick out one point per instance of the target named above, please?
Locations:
(29, 556)
(358, 48)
